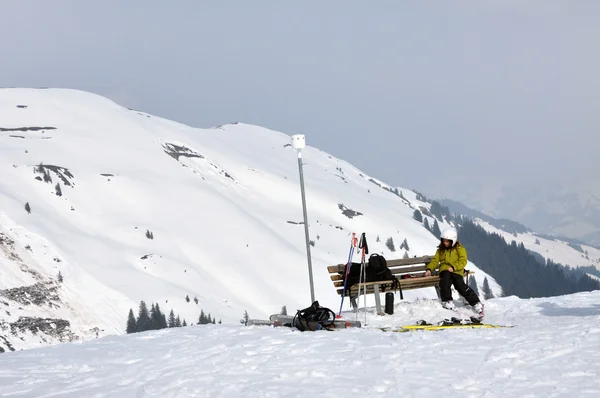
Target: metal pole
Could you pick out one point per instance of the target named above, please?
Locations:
(310, 275)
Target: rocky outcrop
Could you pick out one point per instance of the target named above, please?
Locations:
(175, 151)
(57, 328)
(35, 128)
(38, 294)
(8, 246)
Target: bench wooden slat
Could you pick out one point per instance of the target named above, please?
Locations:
(406, 284)
(409, 261)
(395, 271)
(390, 263)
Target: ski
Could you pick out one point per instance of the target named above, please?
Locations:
(278, 320)
(453, 323)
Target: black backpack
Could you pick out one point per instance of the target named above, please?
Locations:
(314, 318)
(354, 275)
(377, 270)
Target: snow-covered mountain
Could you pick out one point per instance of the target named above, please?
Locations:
(570, 209)
(554, 249)
(559, 250)
(103, 206)
(552, 350)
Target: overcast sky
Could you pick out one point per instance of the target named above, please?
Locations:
(419, 94)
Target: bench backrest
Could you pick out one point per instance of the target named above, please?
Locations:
(398, 267)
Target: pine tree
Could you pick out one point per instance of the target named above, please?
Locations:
(131, 323)
(426, 224)
(487, 291)
(60, 277)
(439, 211)
(418, 216)
(473, 285)
(435, 230)
(153, 325)
(172, 319)
(283, 310)
(202, 318)
(184, 323)
(214, 321)
(405, 255)
(196, 300)
(435, 209)
(47, 176)
(377, 239)
(27, 208)
(390, 244)
(245, 318)
(177, 322)
(187, 298)
(143, 320)
(163, 321)
(208, 318)
(158, 318)
(404, 245)
(57, 189)
(220, 322)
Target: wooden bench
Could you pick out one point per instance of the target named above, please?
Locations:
(400, 268)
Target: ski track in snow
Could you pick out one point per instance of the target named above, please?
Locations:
(553, 351)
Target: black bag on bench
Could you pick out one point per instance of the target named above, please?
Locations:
(377, 270)
(353, 276)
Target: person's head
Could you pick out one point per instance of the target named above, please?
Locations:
(449, 238)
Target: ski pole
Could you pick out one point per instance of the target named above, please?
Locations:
(365, 251)
(348, 265)
(363, 275)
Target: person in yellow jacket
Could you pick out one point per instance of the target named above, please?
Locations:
(451, 257)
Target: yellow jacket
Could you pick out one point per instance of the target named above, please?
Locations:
(455, 257)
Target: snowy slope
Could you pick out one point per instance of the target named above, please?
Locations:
(553, 249)
(154, 210)
(553, 350)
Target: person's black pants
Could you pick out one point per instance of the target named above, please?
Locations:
(447, 279)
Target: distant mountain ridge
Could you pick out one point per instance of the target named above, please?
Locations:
(569, 209)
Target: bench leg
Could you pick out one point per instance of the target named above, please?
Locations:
(377, 300)
(353, 303)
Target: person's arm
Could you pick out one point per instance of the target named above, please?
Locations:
(433, 263)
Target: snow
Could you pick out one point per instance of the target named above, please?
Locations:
(225, 213)
(553, 350)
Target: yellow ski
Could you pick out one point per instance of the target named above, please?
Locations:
(411, 328)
